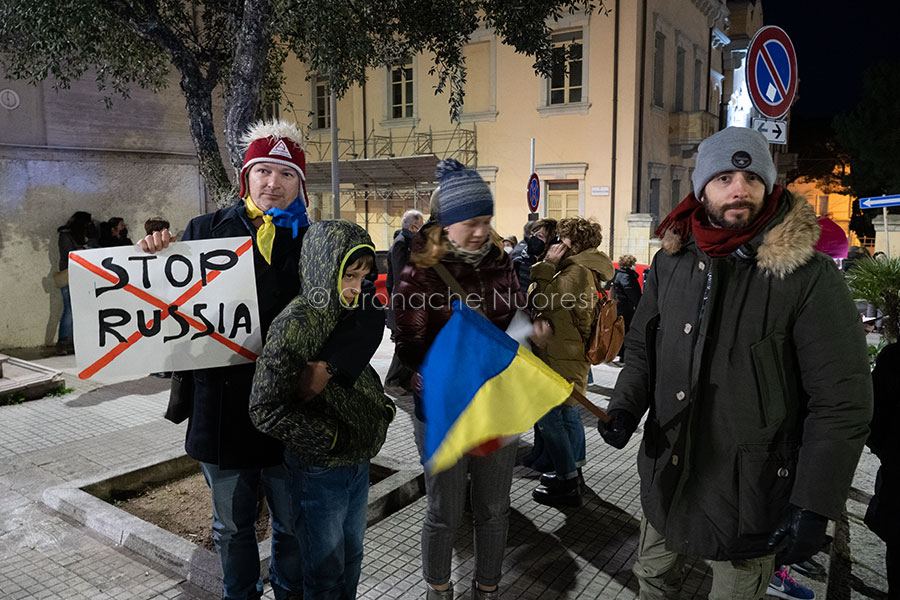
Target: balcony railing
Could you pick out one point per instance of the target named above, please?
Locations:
(688, 129)
(456, 143)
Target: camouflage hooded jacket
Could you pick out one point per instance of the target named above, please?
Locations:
(342, 426)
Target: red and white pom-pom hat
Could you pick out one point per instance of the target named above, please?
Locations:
(275, 142)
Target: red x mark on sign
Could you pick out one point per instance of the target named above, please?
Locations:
(192, 291)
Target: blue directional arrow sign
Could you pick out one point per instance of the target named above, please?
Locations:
(880, 201)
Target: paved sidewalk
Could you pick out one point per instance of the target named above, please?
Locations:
(107, 424)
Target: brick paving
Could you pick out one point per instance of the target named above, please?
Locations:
(111, 423)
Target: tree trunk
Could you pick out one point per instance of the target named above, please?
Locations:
(248, 67)
(203, 133)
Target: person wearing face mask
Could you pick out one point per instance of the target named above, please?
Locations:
(509, 244)
(536, 246)
(564, 290)
(464, 244)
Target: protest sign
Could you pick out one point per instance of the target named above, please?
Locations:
(190, 306)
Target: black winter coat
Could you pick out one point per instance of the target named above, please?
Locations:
(628, 292)
(219, 430)
(884, 441)
(754, 371)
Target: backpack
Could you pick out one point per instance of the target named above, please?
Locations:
(607, 330)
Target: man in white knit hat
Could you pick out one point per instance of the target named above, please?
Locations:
(236, 458)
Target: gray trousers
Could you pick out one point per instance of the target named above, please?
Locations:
(659, 572)
(446, 491)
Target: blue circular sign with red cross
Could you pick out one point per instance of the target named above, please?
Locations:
(534, 192)
(771, 71)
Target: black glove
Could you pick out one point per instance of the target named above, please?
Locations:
(804, 532)
(618, 431)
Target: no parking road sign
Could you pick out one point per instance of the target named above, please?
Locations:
(772, 71)
(533, 192)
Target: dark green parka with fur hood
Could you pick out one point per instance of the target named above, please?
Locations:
(754, 370)
(342, 426)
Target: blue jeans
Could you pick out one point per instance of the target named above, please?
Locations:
(563, 434)
(65, 321)
(332, 524)
(234, 493)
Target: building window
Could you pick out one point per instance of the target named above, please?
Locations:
(654, 199)
(566, 77)
(402, 91)
(679, 80)
(659, 64)
(676, 192)
(698, 83)
(271, 111)
(562, 199)
(323, 104)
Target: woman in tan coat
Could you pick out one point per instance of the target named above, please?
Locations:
(564, 290)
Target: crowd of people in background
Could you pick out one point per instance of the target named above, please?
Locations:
(770, 459)
(82, 232)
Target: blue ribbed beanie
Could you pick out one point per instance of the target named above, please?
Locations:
(463, 193)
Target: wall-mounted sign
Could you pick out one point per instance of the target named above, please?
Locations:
(599, 190)
(9, 99)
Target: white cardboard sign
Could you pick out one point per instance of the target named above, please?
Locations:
(191, 306)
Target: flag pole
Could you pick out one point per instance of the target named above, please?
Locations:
(593, 408)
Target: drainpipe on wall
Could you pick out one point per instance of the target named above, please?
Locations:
(335, 175)
(636, 201)
(615, 124)
(365, 147)
(709, 65)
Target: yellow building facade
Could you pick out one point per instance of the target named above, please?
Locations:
(837, 207)
(615, 132)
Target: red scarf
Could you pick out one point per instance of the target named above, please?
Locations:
(689, 218)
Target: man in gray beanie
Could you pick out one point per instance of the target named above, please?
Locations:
(747, 357)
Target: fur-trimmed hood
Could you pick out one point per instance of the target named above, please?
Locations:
(782, 247)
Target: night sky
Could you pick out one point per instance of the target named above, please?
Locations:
(835, 41)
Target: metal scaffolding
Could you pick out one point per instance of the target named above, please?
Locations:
(383, 176)
(457, 143)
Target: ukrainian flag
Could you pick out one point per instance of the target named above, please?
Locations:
(478, 385)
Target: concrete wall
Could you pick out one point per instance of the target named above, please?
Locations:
(40, 192)
(65, 151)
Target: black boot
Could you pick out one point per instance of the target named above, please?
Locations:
(566, 492)
(550, 480)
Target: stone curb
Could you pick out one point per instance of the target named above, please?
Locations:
(77, 501)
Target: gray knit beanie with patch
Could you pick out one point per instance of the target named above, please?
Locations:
(733, 149)
(463, 193)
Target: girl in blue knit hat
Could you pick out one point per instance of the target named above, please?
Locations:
(463, 243)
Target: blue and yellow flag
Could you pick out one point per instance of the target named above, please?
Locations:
(479, 384)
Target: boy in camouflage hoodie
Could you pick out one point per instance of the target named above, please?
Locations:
(331, 422)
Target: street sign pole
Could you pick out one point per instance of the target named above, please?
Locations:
(531, 170)
(533, 189)
(882, 202)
